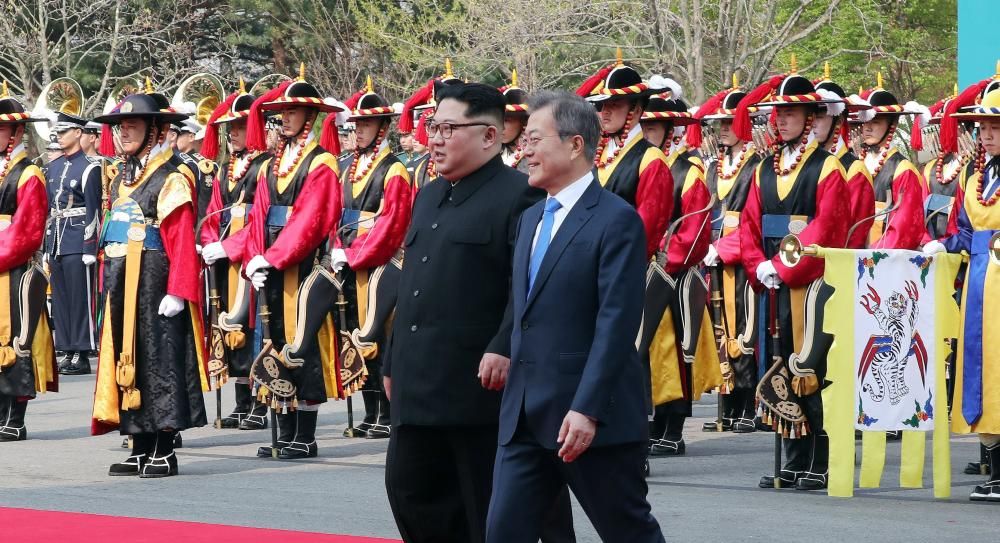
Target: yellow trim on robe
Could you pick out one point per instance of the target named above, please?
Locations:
(724, 186)
(906, 165)
(285, 180)
(106, 399)
(28, 173)
(706, 374)
(665, 377)
(358, 187)
(326, 159)
(43, 354)
(174, 193)
(604, 174)
(856, 167)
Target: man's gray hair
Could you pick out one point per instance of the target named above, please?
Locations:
(573, 116)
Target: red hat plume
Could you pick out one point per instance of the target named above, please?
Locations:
(255, 121)
(210, 147)
(419, 98)
(329, 139)
(591, 82)
(949, 124)
(693, 134)
(742, 125)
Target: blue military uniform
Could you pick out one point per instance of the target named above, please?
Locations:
(74, 190)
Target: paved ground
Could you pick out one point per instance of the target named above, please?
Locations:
(709, 495)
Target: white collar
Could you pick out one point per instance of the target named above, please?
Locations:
(570, 194)
(633, 133)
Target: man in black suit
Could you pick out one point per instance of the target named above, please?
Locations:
(573, 409)
(453, 294)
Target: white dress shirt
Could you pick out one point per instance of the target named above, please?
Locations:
(568, 197)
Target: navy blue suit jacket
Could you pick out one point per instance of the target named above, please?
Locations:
(573, 340)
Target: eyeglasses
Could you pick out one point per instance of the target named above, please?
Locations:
(446, 129)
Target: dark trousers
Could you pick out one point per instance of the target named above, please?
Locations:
(72, 288)
(439, 481)
(608, 482)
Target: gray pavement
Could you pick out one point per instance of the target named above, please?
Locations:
(708, 495)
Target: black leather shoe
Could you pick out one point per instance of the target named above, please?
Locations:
(713, 425)
(665, 447)
(811, 483)
(744, 426)
(78, 364)
(130, 466)
(987, 492)
(254, 422)
(265, 452)
(157, 467)
(10, 433)
(761, 427)
(360, 430)
(378, 431)
(62, 361)
(973, 468)
(233, 420)
(767, 481)
(296, 450)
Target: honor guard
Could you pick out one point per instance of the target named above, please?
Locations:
(730, 179)
(377, 197)
(899, 190)
(151, 363)
(296, 206)
(515, 118)
(27, 357)
(627, 164)
(688, 369)
(974, 409)
(74, 189)
(223, 239)
(797, 189)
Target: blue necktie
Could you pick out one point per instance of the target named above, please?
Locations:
(544, 237)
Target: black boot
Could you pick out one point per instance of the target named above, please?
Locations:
(13, 423)
(815, 475)
(303, 443)
(990, 490)
(162, 462)
(672, 442)
(286, 431)
(256, 418)
(370, 398)
(380, 428)
(142, 444)
(743, 422)
(63, 359)
(243, 399)
(797, 455)
(729, 402)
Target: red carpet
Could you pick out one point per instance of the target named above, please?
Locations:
(54, 526)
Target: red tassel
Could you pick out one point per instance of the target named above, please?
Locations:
(210, 145)
(693, 134)
(352, 102)
(949, 124)
(916, 134)
(845, 132)
(421, 133)
(329, 139)
(107, 147)
(255, 121)
(591, 82)
(937, 107)
(742, 125)
(419, 98)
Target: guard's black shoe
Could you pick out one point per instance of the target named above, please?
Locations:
(986, 492)
(78, 364)
(125, 443)
(254, 422)
(130, 466)
(767, 481)
(973, 468)
(378, 431)
(62, 361)
(811, 482)
(296, 450)
(12, 433)
(894, 435)
(178, 441)
(233, 420)
(265, 452)
(161, 466)
(713, 425)
(744, 426)
(666, 447)
(761, 427)
(360, 430)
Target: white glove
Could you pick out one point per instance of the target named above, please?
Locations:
(256, 264)
(197, 248)
(933, 247)
(88, 260)
(213, 252)
(338, 259)
(258, 279)
(45, 258)
(171, 305)
(712, 258)
(767, 275)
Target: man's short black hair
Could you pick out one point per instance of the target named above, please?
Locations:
(480, 100)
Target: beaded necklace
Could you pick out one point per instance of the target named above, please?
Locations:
(800, 151)
(7, 159)
(939, 168)
(276, 169)
(883, 154)
(353, 175)
(234, 161)
(981, 166)
(130, 179)
(720, 171)
(603, 163)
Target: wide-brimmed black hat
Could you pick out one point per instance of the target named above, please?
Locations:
(300, 93)
(371, 105)
(515, 97)
(795, 90)
(140, 106)
(12, 111)
(663, 108)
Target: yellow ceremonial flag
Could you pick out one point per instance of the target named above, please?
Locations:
(893, 317)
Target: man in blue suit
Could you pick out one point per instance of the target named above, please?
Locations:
(573, 409)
